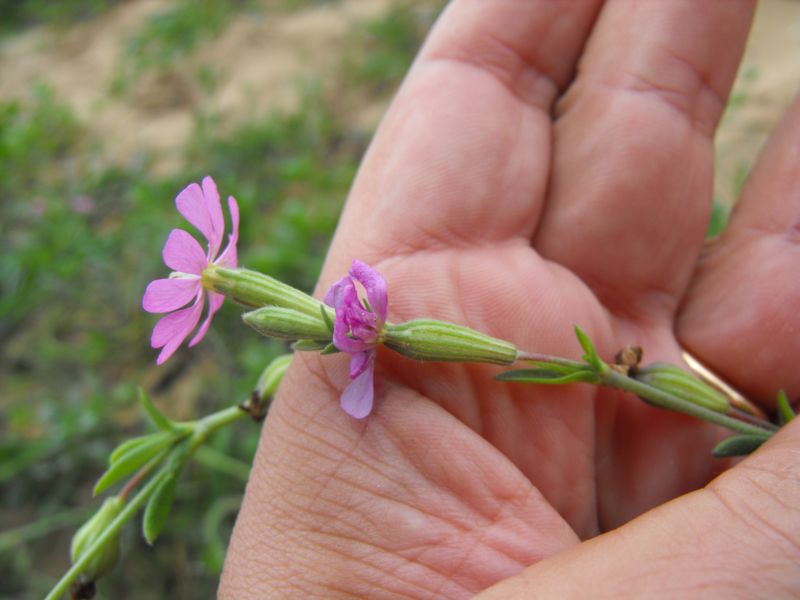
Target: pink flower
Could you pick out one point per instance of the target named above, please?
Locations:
(357, 331)
(202, 208)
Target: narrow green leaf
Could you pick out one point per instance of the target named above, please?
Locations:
(158, 507)
(555, 367)
(590, 357)
(718, 220)
(309, 345)
(738, 445)
(546, 376)
(785, 411)
(157, 417)
(129, 445)
(134, 458)
(326, 317)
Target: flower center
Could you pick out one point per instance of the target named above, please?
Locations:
(181, 275)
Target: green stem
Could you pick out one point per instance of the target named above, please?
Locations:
(208, 425)
(550, 360)
(141, 474)
(664, 400)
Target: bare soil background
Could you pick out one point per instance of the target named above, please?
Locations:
(257, 61)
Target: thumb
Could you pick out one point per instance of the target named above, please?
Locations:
(738, 537)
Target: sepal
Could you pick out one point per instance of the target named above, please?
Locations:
(738, 445)
(107, 557)
(430, 340)
(287, 324)
(785, 411)
(674, 380)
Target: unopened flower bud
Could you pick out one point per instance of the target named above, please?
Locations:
(105, 559)
(271, 377)
(287, 324)
(426, 339)
(679, 383)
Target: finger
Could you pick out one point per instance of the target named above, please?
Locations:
(741, 315)
(462, 155)
(739, 537)
(632, 170)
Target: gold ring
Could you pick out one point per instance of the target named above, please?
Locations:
(708, 376)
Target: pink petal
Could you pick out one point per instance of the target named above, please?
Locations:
(337, 291)
(214, 208)
(343, 296)
(359, 362)
(229, 256)
(171, 330)
(375, 285)
(342, 326)
(357, 397)
(191, 203)
(183, 253)
(166, 295)
(214, 302)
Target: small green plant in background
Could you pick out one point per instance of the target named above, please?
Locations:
(171, 35)
(383, 48)
(718, 220)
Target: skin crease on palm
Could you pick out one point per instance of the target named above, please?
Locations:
(545, 164)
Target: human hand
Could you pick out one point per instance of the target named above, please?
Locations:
(503, 195)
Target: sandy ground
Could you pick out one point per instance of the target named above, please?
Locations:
(259, 61)
(262, 55)
(768, 80)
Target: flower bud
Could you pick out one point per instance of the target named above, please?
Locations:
(271, 377)
(287, 324)
(253, 289)
(426, 339)
(105, 559)
(679, 383)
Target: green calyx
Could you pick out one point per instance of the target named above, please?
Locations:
(679, 383)
(272, 376)
(430, 340)
(254, 290)
(287, 324)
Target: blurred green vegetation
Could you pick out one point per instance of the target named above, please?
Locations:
(172, 34)
(80, 239)
(17, 14)
(384, 48)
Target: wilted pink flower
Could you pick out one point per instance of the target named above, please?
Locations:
(357, 330)
(202, 208)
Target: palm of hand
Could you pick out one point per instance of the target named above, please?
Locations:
(480, 208)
